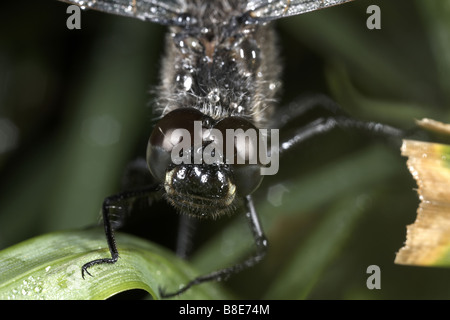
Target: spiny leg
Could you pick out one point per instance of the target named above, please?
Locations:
(110, 203)
(323, 125)
(303, 105)
(258, 255)
(338, 118)
(136, 176)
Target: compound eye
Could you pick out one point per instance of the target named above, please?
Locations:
(247, 178)
(241, 151)
(166, 134)
(240, 140)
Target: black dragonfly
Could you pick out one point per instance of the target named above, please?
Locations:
(221, 68)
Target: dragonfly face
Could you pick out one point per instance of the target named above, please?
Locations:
(195, 185)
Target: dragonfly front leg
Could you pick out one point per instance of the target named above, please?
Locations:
(114, 202)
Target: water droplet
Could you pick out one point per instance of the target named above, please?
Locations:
(213, 95)
(129, 9)
(187, 84)
(38, 289)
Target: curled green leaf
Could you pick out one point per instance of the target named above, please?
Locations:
(49, 267)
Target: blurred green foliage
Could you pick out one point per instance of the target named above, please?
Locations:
(81, 104)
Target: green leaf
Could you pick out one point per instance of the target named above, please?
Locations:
(49, 267)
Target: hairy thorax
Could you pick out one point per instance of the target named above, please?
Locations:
(220, 66)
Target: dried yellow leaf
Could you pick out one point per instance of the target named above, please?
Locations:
(428, 239)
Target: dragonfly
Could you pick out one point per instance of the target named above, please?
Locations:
(221, 69)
